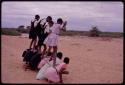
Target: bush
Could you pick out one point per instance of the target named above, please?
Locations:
(94, 32)
(10, 31)
(111, 34)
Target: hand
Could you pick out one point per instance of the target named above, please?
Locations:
(65, 23)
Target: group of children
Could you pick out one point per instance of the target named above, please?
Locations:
(47, 33)
(50, 73)
(44, 32)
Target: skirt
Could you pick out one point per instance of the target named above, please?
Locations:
(32, 34)
(51, 40)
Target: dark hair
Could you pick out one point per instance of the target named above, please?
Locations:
(49, 54)
(51, 22)
(59, 55)
(59, 20)
(49, 18)
(66, 60)
(37, 16)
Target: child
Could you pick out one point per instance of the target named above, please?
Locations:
(29, 53)
(33, 31)
(52, 39)
(44, 60)
(42, 70)
(28, 56)
(44, 33)
(54, 74)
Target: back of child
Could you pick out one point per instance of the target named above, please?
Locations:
(44, 60)
(28, 53)
(43, 69)
(53, 74)
(35, 59)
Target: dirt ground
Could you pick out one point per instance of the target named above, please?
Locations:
(92, 60)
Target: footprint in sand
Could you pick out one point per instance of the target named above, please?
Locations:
(11, 54)
(89, 49)
(75, 44)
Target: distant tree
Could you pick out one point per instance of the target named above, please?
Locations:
(28, 28)
(94, 32)
(21, 26)
(22, 29)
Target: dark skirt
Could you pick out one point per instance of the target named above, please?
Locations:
(42, 38)
(33, 34)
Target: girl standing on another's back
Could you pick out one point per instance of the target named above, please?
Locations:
(52, 39)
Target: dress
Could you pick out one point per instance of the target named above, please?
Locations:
(52, 38)
(51, 73)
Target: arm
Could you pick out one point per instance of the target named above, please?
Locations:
(64, 26)
(60, 74)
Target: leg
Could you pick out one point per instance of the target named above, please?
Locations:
(44, 50)
(60, 76)
(39, 44)
(39, 48)
(49, 49)
(34, 44)
(31, 43)
(54, 55)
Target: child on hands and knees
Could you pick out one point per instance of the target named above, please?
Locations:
(43, 68)
(52, 38)
(54, 74)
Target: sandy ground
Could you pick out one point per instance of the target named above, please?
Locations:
(92, 60)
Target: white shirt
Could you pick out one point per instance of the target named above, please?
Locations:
(47, 29)
(35, 22)
(43, 21)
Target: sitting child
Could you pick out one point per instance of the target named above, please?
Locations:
(43, 69)
(55, 74)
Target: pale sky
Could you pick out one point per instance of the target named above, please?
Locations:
(81, 15)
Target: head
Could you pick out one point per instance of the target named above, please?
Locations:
(51, 23)
(59, 21)
(66, 60)
(49, 54)
(59, 55)
(49, 18)
(37, 17)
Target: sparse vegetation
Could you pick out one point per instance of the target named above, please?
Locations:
(22, 29)
(10, 31)
(13, 31)
(94, 32)
(87, 33)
